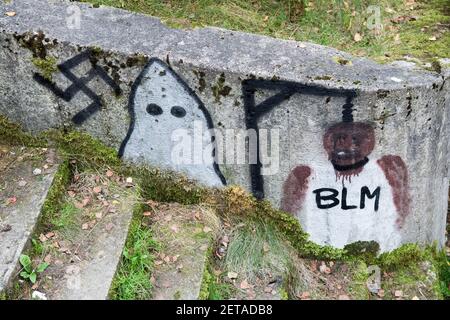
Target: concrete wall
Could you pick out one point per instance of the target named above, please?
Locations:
(356, 150)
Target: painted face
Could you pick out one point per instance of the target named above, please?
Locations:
(347, 143)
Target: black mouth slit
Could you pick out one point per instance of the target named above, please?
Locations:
(353, 166)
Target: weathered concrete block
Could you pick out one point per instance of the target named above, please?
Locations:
(356, 150)
(186, 234)
(22, 195)
(92, 250)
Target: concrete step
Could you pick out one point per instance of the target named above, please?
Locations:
(186, 234)
(26, 175)
(85, 252)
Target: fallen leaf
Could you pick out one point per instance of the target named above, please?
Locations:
(401, 19)
(343, 297)
(71, 193)
(398, 293)
(324, 269)
(85, 202)
(99, 215)
(97, 190)
(232, 275)
(11, 200)
(415, 298)
(10, 13)
(357, 37)
(129, 180)
(85, 226)
(167, 259)
(159, 262)
(304, 295)
(109, 173)
(433, 38)
(174, 228)
(48, 259)
(147, 214)
(37, 171)
(207, 229)
(42, 238)
(49, 235)
(266, 18)
(244, 285)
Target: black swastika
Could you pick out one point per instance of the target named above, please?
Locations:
(80, 84)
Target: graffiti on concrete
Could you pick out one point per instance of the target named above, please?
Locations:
(283, 90)
(161, 103)
(80, 85)
(350, 197)
(355, 198)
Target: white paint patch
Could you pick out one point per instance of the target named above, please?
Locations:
(163, 104)
(395, 79)
(338, 227)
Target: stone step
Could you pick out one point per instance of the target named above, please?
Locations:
(26, 175)
(89, 250)
(186, 234)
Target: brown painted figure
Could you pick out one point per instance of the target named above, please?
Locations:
(354, 199)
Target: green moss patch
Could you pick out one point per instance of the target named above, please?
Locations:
(47, 66)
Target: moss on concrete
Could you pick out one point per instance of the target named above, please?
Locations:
(13, 134)
(53, 203)
(47, 66)
(402, 257)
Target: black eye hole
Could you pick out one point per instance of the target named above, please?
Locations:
(154, 109)
(178, 112)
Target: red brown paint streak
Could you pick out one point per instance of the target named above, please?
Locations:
(295, 188)
(397, 175)
(348, 174)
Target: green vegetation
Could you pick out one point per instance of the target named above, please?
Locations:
(53, 204)
(442, 265)
(214, 289)
(401, 257)
(358, 287)
(164, 186)
(46, 66)
(13, 134)
(31, 272)
(417, 28)
(257, 248)
(133, 277)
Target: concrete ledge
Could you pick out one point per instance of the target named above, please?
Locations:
(118, 67)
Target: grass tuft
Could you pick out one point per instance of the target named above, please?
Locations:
(133, 278)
